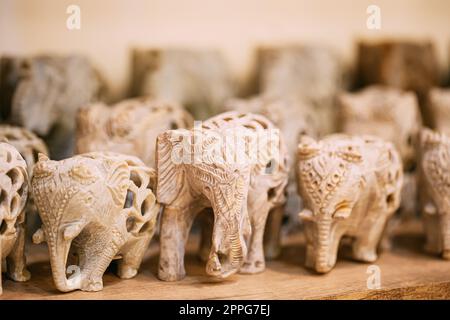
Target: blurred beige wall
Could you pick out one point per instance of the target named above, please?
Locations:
(109, 28)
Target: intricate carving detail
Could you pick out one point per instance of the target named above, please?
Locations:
(13, 197)
(97, 205)
(129, 127)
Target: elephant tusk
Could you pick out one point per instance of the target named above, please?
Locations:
(38, 236)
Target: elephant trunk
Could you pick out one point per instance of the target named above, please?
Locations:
(228, 247)
(59, 251)
(323, 261)
(445, 224)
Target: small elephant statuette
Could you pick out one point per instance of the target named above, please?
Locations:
(435, 191)
(94, 208)
(13, 198)
(236, 164)
(129, 127)
(29, 146)
(351, 186)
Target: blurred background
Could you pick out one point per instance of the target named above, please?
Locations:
(110, 28)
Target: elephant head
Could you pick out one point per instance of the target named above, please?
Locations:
(435, 175)
(95, 201)
(330, 183)
(192, 167)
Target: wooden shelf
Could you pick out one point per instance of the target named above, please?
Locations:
(406, 273)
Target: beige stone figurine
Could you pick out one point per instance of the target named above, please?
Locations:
(129, 127)
(13, 197)
(236, 164)
(94, 207)
(350, 186)
(29, 146)
(435, 191)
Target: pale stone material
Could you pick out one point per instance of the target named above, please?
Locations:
(439, 109)
(236, 164)
(26, 142)
(94, 207)
(294, 119)
(351, 186)
(129, 127)
(44, 94)
(435, 191)
(200, 80)
(29, 146)
(314, 75)
(403, 64)
(388, 113)
(13, 197)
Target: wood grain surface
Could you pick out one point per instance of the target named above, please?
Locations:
(406, 273)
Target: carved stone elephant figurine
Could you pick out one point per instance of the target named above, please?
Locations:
(351, 186)
(435, 191)
(94, 207)
(29, 146)
(13, 197)
(201, 168)
(129, 127)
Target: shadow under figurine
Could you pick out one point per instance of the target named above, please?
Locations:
(351, 186)
(13, 198)
(198, 169)
(94, 207)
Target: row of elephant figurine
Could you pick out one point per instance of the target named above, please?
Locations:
(100, 206)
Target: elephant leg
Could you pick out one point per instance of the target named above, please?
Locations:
(272, 233)
(206, 226)
(16, 261)
(366, 244)
(255, 261)
(175, 227)
(132, 256)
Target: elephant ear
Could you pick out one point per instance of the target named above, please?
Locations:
(168, 165)
(430, 138)
(118, 181)
(308, 148)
